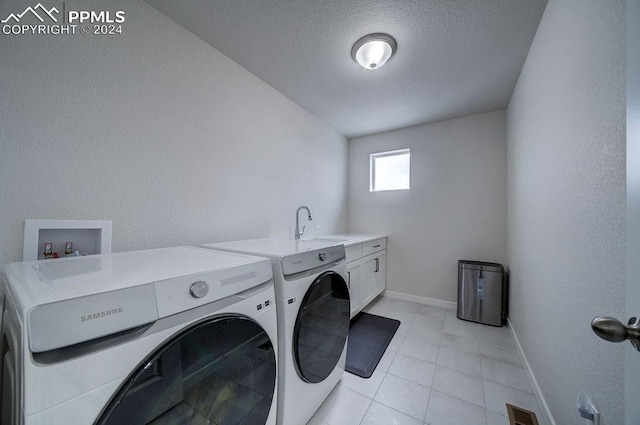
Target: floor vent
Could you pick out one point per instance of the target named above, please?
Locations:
(520, 416)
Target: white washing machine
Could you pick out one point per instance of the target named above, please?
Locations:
(166, 336)
(312, 302)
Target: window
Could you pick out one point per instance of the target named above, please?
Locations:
(390, 170)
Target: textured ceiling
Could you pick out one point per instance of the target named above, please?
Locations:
(454, 57)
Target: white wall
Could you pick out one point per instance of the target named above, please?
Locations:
(159, 132)
(455, 209)
(632, 296)
(566, 204)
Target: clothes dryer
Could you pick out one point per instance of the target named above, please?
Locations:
(312, 303)
(165, 336)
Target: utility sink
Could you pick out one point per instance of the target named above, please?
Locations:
(346, 240)
(330, 239)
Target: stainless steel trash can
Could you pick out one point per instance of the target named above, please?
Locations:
(481, 292)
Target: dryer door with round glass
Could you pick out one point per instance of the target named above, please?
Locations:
(321, 328)
(218, 371)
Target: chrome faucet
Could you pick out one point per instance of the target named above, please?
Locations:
(298, 232)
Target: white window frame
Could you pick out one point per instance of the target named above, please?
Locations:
(372, 170)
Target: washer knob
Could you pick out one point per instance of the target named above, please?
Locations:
(322, 255)
(199, 289)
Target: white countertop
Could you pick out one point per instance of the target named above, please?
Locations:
(349, 239)
(274, 248)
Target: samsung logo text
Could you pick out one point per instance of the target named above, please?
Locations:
(101, 314)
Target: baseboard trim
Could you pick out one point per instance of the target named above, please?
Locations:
(542, 402)
(422, 300)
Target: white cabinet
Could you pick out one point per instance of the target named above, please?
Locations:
(381, 272)
(366, 272)
(353, 282)
(373, 246)
(366, 266)
(373, 280)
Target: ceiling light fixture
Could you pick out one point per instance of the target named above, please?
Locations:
(374, 50)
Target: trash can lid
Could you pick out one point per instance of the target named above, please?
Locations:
(479, 265)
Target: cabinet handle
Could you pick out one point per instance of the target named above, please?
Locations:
(377, 246)
(377, 260)
(348, 280)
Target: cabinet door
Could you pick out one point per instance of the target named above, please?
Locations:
(373, 279)
(353, 282)
(380, 272)
(368, 280)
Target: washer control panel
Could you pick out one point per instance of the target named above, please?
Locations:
(309, 260)
(183, 293)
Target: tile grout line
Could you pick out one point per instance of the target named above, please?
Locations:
(426, 411)
(484, 390)
(365, 412)
(458, 398)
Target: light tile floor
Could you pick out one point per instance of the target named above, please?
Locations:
(437, 370)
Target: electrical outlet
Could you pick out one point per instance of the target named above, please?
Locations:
(318, 225)
(588, 409)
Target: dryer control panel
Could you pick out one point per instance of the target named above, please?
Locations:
(309, 260)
